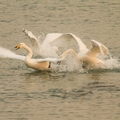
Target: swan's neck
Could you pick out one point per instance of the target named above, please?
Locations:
(29, 55)
(69, 51)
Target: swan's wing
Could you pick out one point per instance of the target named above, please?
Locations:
(33, 40)
(5, 53)
(69, 40)
(41, 37)
(51, 37)
(46, 49)
(97, 48)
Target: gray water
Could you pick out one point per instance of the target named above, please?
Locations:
(26, 94)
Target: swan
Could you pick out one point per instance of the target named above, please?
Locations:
(89, 57)
(37, 64)
(68, 43)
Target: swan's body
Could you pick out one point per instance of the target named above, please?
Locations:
(89, 57)
(38, 64)
(30, 62)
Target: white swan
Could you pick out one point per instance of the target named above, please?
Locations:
(93, 57)
(38, 64)
(89, 56)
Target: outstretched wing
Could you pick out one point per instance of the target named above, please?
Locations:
(41, 45)
(46, 49)
(35, 44)
(5, 53)
(97, 48)
(51, 37)
(68, 40)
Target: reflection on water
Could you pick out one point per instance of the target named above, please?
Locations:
(95, 76)
(28, 95)
(42, 99)
(43, 75)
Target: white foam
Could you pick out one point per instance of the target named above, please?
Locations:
(112, 63)
(72, 65)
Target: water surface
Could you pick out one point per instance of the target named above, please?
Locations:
(26, 94)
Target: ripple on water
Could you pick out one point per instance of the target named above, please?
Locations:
(74, 93)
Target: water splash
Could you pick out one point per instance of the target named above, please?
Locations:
(72, 65)
(5, 53)
(112, 63)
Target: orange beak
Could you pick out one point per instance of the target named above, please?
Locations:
(17, 47)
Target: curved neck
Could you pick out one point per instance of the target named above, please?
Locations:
(29, 51)
(69, 51)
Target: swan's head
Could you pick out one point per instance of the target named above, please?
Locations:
(20, 45)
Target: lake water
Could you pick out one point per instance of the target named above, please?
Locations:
(26, 94)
